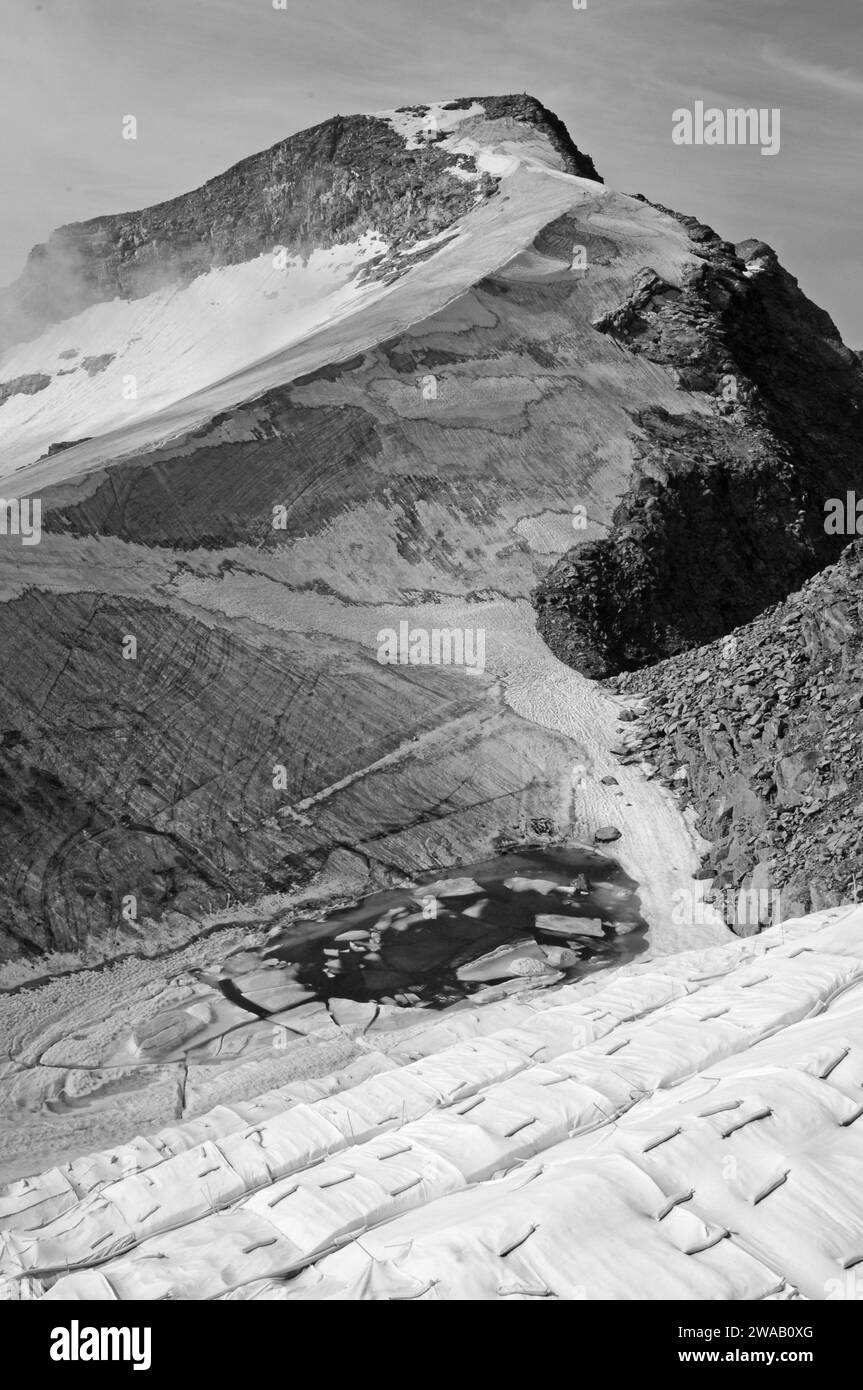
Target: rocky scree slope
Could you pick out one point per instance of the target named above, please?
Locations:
(725, 515)
(762, 733)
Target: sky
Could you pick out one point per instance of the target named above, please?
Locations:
(211, 81)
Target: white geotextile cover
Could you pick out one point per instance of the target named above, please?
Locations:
(28, 1203)
(589, 1231)
(195, 1181)
(770, 1029)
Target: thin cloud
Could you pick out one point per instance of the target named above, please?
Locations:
(839, 80)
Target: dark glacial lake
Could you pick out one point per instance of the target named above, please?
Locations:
(540, 916)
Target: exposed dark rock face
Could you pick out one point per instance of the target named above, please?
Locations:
(62, 444)
(23, 385)
(725, 515)
(762, 731)
(320, 187)
(94, 365)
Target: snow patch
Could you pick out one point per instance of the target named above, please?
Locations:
(417, 124)
(465, 175)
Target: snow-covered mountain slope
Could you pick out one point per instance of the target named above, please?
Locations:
(195, 323)
(123, 361)
(688, 1129)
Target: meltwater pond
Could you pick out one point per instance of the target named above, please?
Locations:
(539, 916)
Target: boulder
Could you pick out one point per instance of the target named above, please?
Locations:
(606, 834)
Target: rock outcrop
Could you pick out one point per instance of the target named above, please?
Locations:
(724, 515)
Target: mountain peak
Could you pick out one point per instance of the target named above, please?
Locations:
(445, 118)
(403, 175)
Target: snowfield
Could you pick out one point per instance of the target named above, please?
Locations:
(687, 1128)
(123, 361)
